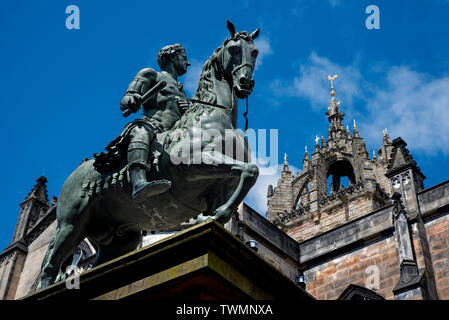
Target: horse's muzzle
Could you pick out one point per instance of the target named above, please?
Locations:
(243, 82)
(244, 87)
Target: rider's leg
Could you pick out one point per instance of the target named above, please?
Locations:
(138, 165)
(137, 157)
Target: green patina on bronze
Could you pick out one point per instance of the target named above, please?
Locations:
(115, 196)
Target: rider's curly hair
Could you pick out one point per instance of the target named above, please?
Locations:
(166, 53)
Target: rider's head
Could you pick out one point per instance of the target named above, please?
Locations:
(173, 54)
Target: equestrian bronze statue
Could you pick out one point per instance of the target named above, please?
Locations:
(196, 173)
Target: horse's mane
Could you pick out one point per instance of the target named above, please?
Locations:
(205, 90)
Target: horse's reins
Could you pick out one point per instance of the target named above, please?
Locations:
(245, 114)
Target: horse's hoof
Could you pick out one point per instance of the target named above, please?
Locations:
(151, 189)
(222, 216)
(43, 283)
(202, 218)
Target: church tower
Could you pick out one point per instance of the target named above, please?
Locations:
(338, 184)
(34, 210)
(359, 218)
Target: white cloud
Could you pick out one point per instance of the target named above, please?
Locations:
(414, 106)
(312, 82)
(408, 103)
(257, 196)
(263, 45)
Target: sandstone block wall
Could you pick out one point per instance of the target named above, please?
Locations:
(372, 265)
(438, 237)
(33, 261)
(332, 217)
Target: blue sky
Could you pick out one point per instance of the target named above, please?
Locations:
(61, 88)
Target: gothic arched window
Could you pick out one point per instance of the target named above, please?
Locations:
(302, 194)
(342, 173)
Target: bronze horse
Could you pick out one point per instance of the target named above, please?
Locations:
(100, 206)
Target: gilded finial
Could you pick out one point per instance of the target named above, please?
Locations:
(306, 148)
(355, 127)
(285, 162)
(331, 79)
(317, 139)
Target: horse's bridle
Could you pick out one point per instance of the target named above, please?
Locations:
(234, 70)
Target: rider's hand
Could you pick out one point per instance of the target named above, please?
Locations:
(130, 102)
(183, 104)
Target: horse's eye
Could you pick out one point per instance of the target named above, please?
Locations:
(255, 53)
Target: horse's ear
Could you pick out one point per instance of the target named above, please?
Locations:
(255, 34)
(231, 28)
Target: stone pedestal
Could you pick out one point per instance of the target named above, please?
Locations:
(202, 262)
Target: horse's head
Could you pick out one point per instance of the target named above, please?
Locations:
(239, 59)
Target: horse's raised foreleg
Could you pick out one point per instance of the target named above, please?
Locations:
(248, 177)
(225, 167)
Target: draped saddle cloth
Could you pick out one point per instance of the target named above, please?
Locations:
(111, 167)
(116, 151)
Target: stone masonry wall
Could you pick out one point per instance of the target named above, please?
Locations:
(33, 261)
(438, 237)
(328, 280)
(18, 267)
(417, 246)
(384, 182)
(332, 217)
(282, 199)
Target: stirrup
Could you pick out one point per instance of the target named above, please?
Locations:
(151, 188)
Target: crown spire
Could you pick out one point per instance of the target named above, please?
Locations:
(334, 115)
(331, 79)
(285, 162)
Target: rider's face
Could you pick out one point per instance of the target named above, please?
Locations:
(181, 63)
